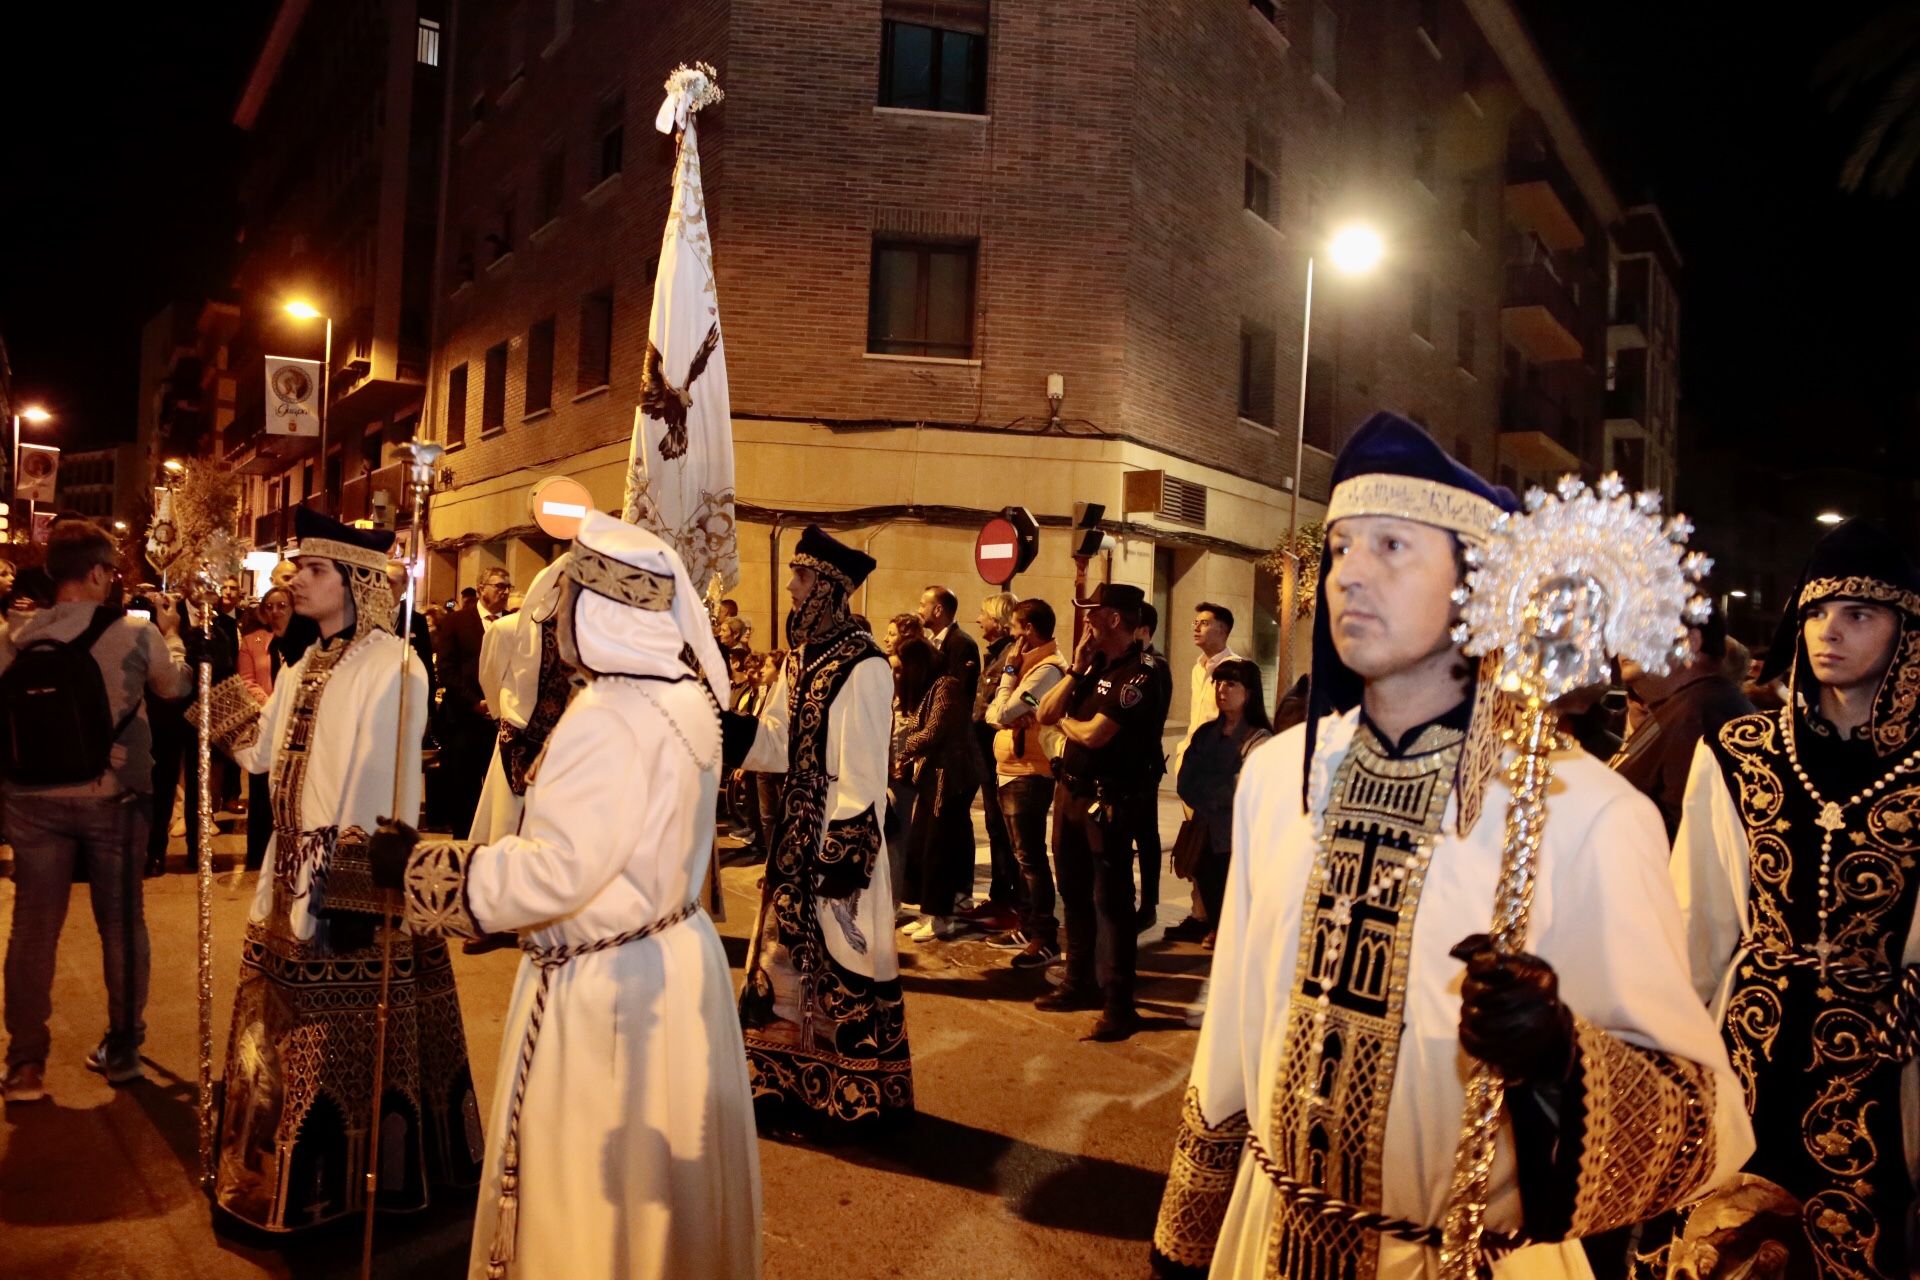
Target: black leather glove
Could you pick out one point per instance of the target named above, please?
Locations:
(1510, 1014)
(388, 849)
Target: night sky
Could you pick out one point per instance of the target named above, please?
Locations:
(1799, 302)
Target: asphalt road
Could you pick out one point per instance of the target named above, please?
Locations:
(1035, 1153)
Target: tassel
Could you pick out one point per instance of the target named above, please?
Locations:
(505, 1229)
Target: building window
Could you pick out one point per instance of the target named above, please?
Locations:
(1326, 43)
(1318, 428)
(1267, 9)
(463, 258)
(540, 367)
(1420, 306)
(456, 432)
(426, 47)
(1463, 350)
(516, 43)
(1470, 208)
(932, 68)
(596, 341)
(1423, 155)
(493, 390)
(370, 449)
(610, 137)
(1429, 19)
(920, 300)
(553, 174)
(1256, 373)
(500, 239)
(1259, 191)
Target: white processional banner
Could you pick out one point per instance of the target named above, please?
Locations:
(680, 463)
(293, 396)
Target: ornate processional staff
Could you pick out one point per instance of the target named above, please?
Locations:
(1581, 577)
(420, 458)
(219, 558)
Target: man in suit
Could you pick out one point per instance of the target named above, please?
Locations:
(465, 726)
(959, 656)
(959, 653)
(422, 634)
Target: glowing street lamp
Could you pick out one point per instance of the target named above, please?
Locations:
(38, 416)
(1830, 518)
(1354, 249)
(301, 309)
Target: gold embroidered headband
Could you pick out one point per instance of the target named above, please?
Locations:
(1411, 498)
(821, 567)
(619, 581)
(344, 552)
(1859, 588)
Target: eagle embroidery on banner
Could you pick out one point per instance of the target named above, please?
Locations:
(663, 401)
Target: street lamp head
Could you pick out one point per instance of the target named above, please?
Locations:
(301, 309)
(174, 467)
(1356, 249)
(1830, 518)
(120, 526)
(36, 414)
(1737, 595)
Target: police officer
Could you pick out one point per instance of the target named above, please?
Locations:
(1146, 803)
(1109, 710)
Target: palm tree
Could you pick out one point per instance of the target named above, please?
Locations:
(1876, 70)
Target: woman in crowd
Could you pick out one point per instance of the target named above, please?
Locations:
(938, 744)
(1209, 772)
(901, 628)
(261, 657)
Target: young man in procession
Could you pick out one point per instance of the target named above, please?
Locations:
(1353, 983)
(623, 1140)
(300, 1053)
(1796, 865)
(825, 1023)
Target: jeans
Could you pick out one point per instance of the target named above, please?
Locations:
(1007, 885)
(1143, 814)
(1024, 802)
(1093, 853)
(109, 835)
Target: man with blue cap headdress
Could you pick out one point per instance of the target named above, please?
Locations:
(1324, 1109)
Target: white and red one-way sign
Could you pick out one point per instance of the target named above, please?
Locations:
(996, 552)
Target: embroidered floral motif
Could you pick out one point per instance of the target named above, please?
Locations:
(847, 852)
(625, 583)
(236, 714)
(435, 889)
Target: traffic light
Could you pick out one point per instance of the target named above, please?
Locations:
(1027, 536)
(1088, 540)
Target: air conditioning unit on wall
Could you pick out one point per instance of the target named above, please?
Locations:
(1168, 497)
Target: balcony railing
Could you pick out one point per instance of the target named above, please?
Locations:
(1538, 313)
(1542, 197)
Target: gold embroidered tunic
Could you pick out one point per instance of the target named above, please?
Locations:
(1329, 1067)
(298, 1078)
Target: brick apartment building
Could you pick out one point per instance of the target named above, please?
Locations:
(924, 212)
(344, 113)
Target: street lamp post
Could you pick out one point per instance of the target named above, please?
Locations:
(1354, 250)
(301, 309)
(36, 415)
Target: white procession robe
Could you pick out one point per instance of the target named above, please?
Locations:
(510, 679)
(638, 1152)
(1603, 915)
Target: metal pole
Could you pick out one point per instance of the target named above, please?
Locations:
(326, 386)
(421, 456)
(205, 867)
(1289, 586)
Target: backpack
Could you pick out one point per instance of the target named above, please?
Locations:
(56, 721)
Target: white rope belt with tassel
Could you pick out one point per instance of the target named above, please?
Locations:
(546, 959)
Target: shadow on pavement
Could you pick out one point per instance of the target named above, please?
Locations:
(1037, 1184)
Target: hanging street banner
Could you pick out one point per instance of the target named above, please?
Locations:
(293, 396)
(39, 473)
(680, 462)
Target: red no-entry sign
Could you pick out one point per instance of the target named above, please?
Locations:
(996, 552)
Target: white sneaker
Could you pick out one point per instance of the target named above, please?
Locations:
(912, 923)
(921, 932)
(947, 928)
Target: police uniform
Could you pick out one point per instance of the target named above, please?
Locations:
(1093, 826)
(1146, 802)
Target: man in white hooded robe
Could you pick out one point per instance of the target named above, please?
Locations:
(622, 1132)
